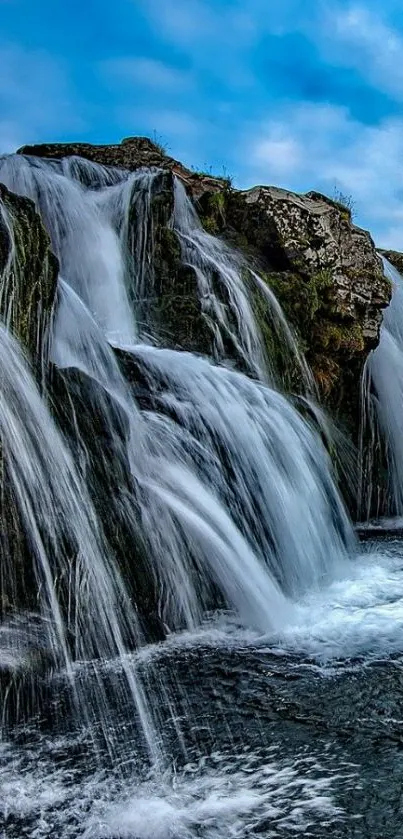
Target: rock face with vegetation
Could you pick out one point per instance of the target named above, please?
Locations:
(323, 269)
(28, 272)
(327, 276)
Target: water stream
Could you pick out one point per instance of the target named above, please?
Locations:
(148, 480)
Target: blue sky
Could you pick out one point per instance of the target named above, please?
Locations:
(305, 94)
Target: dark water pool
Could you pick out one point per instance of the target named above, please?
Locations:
(299, 734)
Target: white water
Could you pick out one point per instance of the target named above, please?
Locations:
(383, 388)
(206, 799)
(166, 475)
(275, 469)
(228, 486)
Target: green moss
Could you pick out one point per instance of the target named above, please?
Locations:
(29, 275)
(342, 338)
(212, 211)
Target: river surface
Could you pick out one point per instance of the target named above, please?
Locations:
(260, 737)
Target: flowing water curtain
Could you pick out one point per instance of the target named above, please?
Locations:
(185, 538)
(168, 274)
(182, 538)
(381, 406)
(76, 586)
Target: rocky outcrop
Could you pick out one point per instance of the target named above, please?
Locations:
(28, 273)
(326, 274)
(132, 153)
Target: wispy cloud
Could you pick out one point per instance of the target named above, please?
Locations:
(322, 146)
(145, 72)
(360, 37)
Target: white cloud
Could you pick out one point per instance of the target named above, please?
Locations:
(183, 21)
(206, 23)
(322, 147)
(283, 152)
(359, 37)
(146, 72)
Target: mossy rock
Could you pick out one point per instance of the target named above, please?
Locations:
(28, 273)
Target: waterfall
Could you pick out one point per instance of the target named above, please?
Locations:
(82, 237)
(83, 604)
(210, 489)
(383, 391)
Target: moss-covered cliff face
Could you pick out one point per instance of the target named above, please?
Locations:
(28, 273)
(169, 307)
(323, 269)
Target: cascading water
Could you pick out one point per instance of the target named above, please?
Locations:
(231, 319)
(173, 462)
(383, 392)
(85, 610)
(225, 496)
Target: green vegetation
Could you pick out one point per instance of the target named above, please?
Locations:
(345, 202)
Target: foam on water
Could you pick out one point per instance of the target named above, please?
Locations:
(359, 616)
(222, 795)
